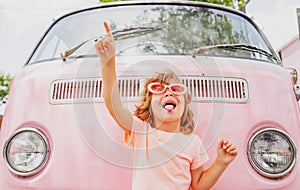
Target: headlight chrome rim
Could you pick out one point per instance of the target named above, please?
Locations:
(259, 168)
(42, 163)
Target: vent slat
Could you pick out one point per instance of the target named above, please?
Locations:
(201, 88)
(58, 90)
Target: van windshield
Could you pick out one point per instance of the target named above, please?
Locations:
(159, 29)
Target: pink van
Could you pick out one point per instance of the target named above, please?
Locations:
(57, 134)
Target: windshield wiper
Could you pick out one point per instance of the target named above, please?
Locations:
(245, 47)
(69, 52)
(133, 32)
(117, 34)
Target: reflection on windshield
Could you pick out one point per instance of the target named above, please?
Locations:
(153, 29)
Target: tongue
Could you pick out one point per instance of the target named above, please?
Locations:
(169, 107)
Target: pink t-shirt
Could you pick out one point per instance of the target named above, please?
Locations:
(163, 160)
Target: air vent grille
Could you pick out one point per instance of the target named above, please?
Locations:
(207, 89)
(217, 89)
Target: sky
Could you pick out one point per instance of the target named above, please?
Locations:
(22, 23)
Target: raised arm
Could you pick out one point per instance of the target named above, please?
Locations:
(204, 180)
(105, 48)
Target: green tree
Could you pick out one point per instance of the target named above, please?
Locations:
(237, 4)
(211, 29)
(205, 27)
(5, 81)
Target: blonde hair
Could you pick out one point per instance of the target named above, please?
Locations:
(143, 110)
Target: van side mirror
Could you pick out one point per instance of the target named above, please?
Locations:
(294, 76)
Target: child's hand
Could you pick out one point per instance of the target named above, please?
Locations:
(226, 152)
(105, 46)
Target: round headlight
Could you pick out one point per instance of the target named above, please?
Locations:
(272, 153)
(26, 152)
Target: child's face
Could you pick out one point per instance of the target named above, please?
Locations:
(168, 105)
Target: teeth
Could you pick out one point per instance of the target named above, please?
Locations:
(169, 106)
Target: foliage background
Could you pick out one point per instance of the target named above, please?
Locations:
(5, 81)
(237, 4)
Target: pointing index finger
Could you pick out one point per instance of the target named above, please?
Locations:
(107, 29)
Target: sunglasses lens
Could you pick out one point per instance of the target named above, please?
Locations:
(160, 88)
(178, 89)
(157, 87)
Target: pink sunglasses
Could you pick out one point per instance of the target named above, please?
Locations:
(158, 88)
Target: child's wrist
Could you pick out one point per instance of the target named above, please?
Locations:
(105, 62)
(221, 163)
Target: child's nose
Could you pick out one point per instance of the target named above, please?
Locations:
(168, 93)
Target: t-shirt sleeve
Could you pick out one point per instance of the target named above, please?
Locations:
(138, 127)
(200, 156)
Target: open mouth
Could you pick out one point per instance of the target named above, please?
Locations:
(169, 105)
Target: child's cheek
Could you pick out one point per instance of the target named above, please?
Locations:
(155, 104)
(182, 103)
(155, 101)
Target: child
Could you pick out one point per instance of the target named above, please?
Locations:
(166, 153)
